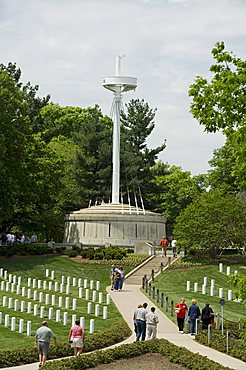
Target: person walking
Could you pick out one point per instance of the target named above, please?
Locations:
(174, 246)
(164, 244)
(43, 336)
(76, 338)
(151, 324)
(180, 310)
(122, 275)
(207, 316)
(141, 322)
(112, 276)
(193, 314)
(116, 280)
(135, 320)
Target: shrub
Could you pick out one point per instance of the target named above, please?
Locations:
(72, 253)
(25, 249)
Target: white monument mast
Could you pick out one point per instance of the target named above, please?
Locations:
(118, 84)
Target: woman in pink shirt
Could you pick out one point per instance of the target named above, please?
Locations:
(76, 338)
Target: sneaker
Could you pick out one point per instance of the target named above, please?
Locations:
(181, 332)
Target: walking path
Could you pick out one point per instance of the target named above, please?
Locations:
(127, 301)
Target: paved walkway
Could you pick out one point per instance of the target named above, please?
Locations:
(127, 301)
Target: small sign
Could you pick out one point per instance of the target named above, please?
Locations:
(222, 302)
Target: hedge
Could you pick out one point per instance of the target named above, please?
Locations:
(115, 334)
(25, 249)
(175, 354)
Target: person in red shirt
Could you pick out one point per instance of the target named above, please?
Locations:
(164, 244)
(76, 338)
(180, 310)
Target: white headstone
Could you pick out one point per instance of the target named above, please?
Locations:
(229, 295)
(87, 294)
(89, 308)
(203, 289)
(188, 285)
(91, 284)
(29, 293)
(73, 319)
(41, 297)
(65, 317)
(22, 306)
(1, 318)
(18, 288)
(97, 310)
(74, 304)
(74, 281)
(47, 272)
(6, 320)
(79, 282)
(35, 295)
(80, 292)
(53, 300)
(42, 312)
(29, 282)
(12, 287)
(94, 296)
(50, 315)
(2, 285)
(10, 303)
(68, 289)
(47, 299)
(44, 285)
(220, 292)
(82, 321)
(85, 283)
(29, 328)
(4, 304)
(212, 282)
(50, 285)
(68, 280)
(16, 305)
(14, 279)
(7, 286)
(61, 288)
(13, 322)
(58, 315)
(60, 302)
(105, 312)
(63, 280)
(34, 281)
(205, 280)
(21, 326)
(56, 286)
(19, 280)
(211, 290)
(195, 287)
(67, 303)
(228, 270)
(35, 310)
(98, 285)
(1, 272)
(108, 299)
(100, 297)
(52, 275)
(220, 267)
(39, 284)
(10, 278)
(23, 291)
(91, 326)
(5, 274)
(29, 307)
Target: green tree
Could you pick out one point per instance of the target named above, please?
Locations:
(220, 104)
(212, 222)
(238, 281)
(174, 191)
(136, 158)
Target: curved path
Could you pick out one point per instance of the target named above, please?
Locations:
(127, 301)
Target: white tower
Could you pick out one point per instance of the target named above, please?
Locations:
(118, 84)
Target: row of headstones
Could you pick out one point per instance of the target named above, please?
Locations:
(11, 321)
(43, 284)
(228, 269)
(23, 305)
(212, 288)
(40, 296)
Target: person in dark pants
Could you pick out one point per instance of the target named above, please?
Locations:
(135, 320)
(180, 310)
(193, 314)
(207, 316)
(141, 322)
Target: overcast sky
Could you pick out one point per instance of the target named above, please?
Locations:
(68, 46)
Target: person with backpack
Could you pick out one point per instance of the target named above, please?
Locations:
(207, 316)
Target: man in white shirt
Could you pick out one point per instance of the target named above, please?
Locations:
(141, 322)
(151, 321)
(174, 244)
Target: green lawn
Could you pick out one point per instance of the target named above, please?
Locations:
(173, 283)
(35, 267)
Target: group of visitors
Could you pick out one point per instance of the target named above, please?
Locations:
(117, 276)
(145, 323)
(10, 238)
(44, 334)
(164, 243)
(194, 313)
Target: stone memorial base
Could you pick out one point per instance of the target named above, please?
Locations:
(114, 224)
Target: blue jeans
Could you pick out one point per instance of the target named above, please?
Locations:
(121, 283)
(141, 330)
(192, 326)
(116, 284)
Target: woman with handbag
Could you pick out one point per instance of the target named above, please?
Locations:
(76, 338)
(180, 310)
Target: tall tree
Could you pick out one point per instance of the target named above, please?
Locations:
(221, 104)
(136, 158)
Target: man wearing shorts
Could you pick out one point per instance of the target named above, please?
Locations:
(42, 341)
